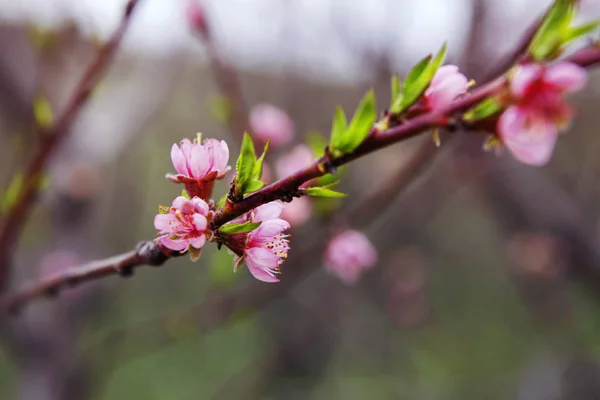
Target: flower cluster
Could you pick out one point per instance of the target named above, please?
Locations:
(529, 127)
(264, 248)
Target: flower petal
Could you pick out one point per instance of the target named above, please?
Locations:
(200, 205)
(566, 76)
(199, 222)
(268, 211)
(524, 76)
(198, 241)
(183, 204)
(162, 222)
(270, 228)
(199, 162)
(178, 159)
(176, 245)
(262, 263)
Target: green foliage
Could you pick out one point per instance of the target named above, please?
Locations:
(317, 143)
(486, 108)
(249, 168)
(323, 191)
(396, 89)
(346, 138)
(556, 31)
(42, 112)
(417, 80)
(229, 229)
(9, 198)
(185, 194)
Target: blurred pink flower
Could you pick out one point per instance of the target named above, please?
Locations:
(529, 128)
(196, 17)
(298, 211)
(446, 85)
(183, 225)
(348, 254)
(264, 248)
(270, 122)
(299, 157)
(198, 165)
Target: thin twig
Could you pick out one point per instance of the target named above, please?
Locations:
(282, 188)
(51, 138)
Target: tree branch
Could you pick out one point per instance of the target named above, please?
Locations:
(51, 138)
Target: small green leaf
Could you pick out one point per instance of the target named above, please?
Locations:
(245, 164)
(163, 209)
(42, 111)
(486, 108)
(396, 93)
(549, 38)
(362, 121)
(230, 229)
(581, 30)
(323, 192)
(257, 170)
(254, 185)
(316, 142)
(338, 128)
(222, 200)
(185, 194)
(418, 80)
(12, 192)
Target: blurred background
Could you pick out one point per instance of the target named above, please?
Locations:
(487, 283)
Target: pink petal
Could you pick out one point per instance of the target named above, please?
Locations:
(162, 222)
(218, 152)
(200, 205)
(299, 157)
(176, 245)
(198, 241)
(184, 204)
(199, 222)
(199, 162)
(443, 72)
(566, 76)
(529, 138)
(270, 228)
(269, 122)
(268, 211)
(262, 263)
(524, 76)
(178, 160)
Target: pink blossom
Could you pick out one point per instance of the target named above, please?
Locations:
(265, 248)
(196, 17)
(268, 122)
(348, 254)
(299, 157)
(183, 225)
(198, 165)
(298, 211)
(446, 85)
(529, 128)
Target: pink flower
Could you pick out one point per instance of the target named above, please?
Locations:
(196, 17)
(298, 211)
(183, 226)
(265, 248)
(529, 128)
(198, 165)
(348, 254)
(270, 122)
(299, 157)
(446, 85)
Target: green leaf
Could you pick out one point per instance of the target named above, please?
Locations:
(42, 111)
(338, 128)
(418, 80)
(230, 229)
(396, 90)
(222, 200)
(185, 194)
(581, 30)
(486, 108)
(254, 185)
(12, 192)
(316, 142)
(548, 40)
(245, 164)
(257, 170)
(323, 192)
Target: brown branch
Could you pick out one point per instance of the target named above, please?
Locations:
(51, 138)
(276, 191)
(146, 254)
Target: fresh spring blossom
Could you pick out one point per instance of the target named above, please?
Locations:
(348, 254)
(198, 165)
(268, 122)
(264, 248)
(299, 210)
(529, 128)
(183, 226)
(445, 87)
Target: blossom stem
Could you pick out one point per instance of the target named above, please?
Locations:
(51, 137)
